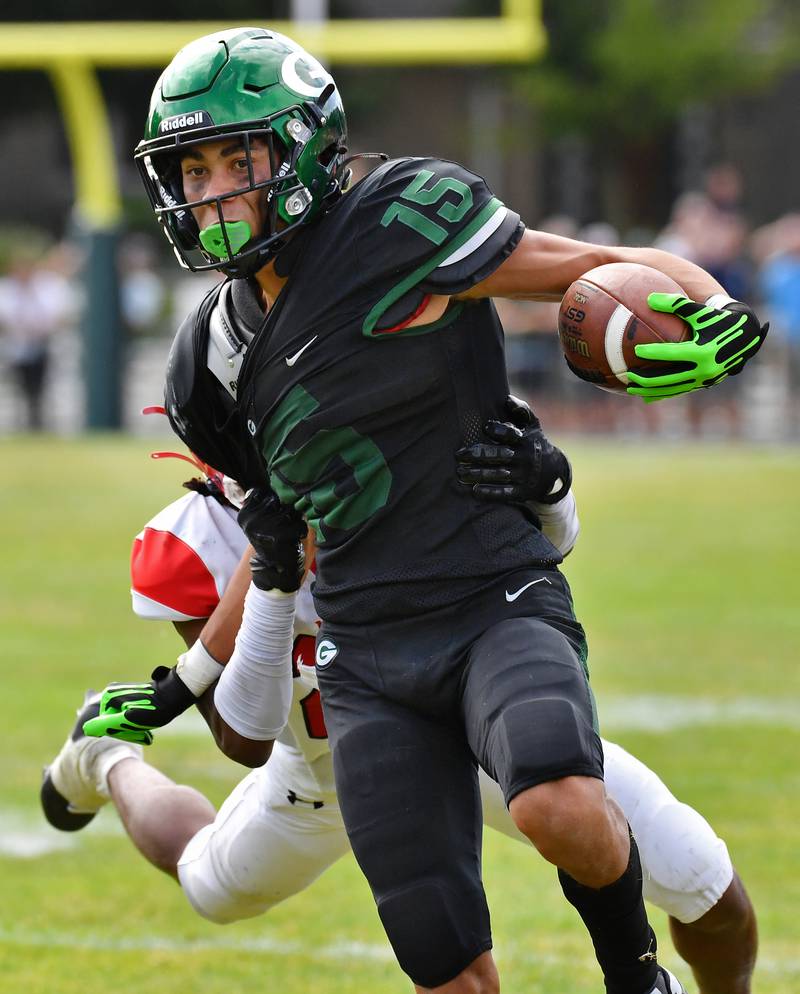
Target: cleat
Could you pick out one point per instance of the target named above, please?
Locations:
(666, 983)
(74, 786)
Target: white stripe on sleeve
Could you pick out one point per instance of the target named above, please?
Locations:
(481, 235)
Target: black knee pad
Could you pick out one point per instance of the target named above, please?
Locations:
(435, 933)
(543, 739)
(409, 796)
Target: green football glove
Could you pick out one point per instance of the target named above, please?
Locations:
(723, 339)
(130, 711)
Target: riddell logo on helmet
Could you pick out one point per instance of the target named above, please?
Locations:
(197, 119)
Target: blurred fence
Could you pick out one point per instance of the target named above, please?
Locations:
(760, 406)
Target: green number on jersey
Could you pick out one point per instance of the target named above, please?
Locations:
(294, 461)
(416, 193)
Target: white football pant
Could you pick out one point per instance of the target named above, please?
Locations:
(261, 848)
(685, 868)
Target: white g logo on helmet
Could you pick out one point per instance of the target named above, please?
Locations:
(327, 651)
(302, 73)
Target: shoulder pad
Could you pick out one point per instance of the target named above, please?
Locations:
(169, 579)
(226, 348)
(204, 415)
(233, 321)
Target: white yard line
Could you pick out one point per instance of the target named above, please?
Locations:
(26, 835)
(667, 712)
(271, 945)
(276, 946)
(637, 712)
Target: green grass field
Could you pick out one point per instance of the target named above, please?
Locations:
(686, 581)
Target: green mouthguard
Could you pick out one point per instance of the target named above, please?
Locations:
(213, 240)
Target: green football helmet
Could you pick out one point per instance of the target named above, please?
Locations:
(251, 84)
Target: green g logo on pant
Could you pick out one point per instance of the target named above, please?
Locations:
(327, 651)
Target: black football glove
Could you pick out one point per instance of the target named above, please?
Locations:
(276, 533)
(130, 711)
(522, 466)
(723, 340)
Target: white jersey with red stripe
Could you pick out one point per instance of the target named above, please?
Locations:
(184, 558)
(181, 563)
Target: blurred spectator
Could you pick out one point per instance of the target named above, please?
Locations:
(600, 233)
(559, 224)
(143, 297)
(724, 187)
(714, 237)
(685, 234)
(533, 353)
(777, 246)
(187, 290)
(723, 254)
(707, 228)
(36, 301)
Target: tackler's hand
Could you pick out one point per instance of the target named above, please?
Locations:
(520, 464)
(276, 533)
(130, 711)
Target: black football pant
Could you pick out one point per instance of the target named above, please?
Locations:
(411, 707)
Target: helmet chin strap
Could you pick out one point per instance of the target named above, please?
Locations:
(212, 238)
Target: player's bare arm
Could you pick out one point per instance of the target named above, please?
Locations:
(542, 267)
(724, 333)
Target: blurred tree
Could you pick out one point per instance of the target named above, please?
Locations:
(627, 67)
(618, 75)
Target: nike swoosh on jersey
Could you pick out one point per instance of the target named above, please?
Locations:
(292, 359)
(515, 595)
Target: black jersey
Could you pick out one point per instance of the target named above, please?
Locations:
(358, 417)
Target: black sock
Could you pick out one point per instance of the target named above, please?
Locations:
(624, 943)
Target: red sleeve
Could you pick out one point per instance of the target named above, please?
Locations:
(167, 573)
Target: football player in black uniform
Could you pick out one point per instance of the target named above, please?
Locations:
(355, 348)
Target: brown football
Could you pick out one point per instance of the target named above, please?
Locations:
(604, 314)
